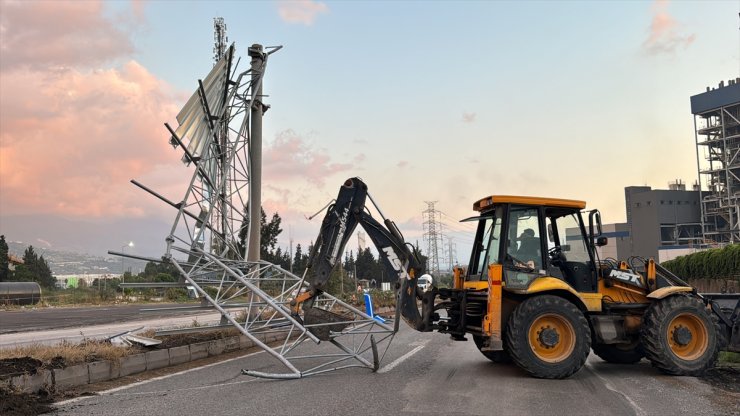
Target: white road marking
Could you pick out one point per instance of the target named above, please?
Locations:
(139, 383)
(402, 358)
(608, 385)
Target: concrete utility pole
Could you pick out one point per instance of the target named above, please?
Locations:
(255, 154)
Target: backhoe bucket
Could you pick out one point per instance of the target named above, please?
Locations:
(727, 308)
(409, 297)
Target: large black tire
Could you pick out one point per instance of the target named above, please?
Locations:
(679, 336)
(620, 353)
(500, 357)
(548, 337)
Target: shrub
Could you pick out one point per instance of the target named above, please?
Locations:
(716, 263)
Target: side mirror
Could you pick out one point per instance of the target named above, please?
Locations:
(601, 241)
(594, 224)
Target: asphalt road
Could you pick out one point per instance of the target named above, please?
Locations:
(55, 318)
(421, 374)
(52, 325)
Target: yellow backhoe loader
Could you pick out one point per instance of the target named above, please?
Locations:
(535, 291)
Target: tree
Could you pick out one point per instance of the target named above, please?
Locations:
(269, 233)
(45, 278)
(4, 261)
(299, 260)
(349, 262)
(153, 269)
(368, 266)
(29, 256)
(34, 269)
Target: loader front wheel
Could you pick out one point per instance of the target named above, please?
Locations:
(548, 337)
(499, 357)
(679, 336)
(620, 353)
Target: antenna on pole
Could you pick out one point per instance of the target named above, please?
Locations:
(220, 39)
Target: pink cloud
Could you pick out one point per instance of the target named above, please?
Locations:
(664, 36)
(402, 164)
(70, 140)
(43, 34)
(468, 117)
(301, 11)
(138, 7)
(71, 132)
(290, 157)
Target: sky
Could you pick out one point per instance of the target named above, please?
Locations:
(426, 101)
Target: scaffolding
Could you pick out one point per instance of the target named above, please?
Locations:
(717, 134)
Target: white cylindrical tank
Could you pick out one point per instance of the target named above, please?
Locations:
(20, 293)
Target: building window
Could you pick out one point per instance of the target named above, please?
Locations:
(667, 234)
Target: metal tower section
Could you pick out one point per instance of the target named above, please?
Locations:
(433, 236)
(220, 39)
(207, 243)
(717, 134)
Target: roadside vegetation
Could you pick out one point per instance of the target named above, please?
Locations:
(729, 357)
(717, 263)
(68, 353)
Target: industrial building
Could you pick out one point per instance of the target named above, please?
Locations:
(661, 223)
(664, 224)
(717, 133)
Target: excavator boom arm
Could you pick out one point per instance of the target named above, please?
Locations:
(400, 258)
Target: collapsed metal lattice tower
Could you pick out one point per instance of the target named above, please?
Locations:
(207, 243)
(717, 134)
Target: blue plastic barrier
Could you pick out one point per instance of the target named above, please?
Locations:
(369, 309)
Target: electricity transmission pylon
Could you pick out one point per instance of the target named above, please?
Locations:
(433, 236)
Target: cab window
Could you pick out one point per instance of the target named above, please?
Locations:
(488, 245)
(523, 261)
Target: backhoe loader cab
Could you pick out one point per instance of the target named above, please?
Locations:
(534, 237)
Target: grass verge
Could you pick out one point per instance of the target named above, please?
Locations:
(70, 353)
(729, 357)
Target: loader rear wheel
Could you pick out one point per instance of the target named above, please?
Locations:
(548, 337)
(620, 353)
(679, 336)
(499, 357)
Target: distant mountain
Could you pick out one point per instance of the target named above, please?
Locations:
(69, 262)
(93, 237)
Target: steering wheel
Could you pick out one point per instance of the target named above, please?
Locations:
(557, 257)
(519, 264)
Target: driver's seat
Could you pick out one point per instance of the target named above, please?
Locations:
(529, 249)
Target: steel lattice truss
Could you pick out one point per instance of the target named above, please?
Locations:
(204, 242)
